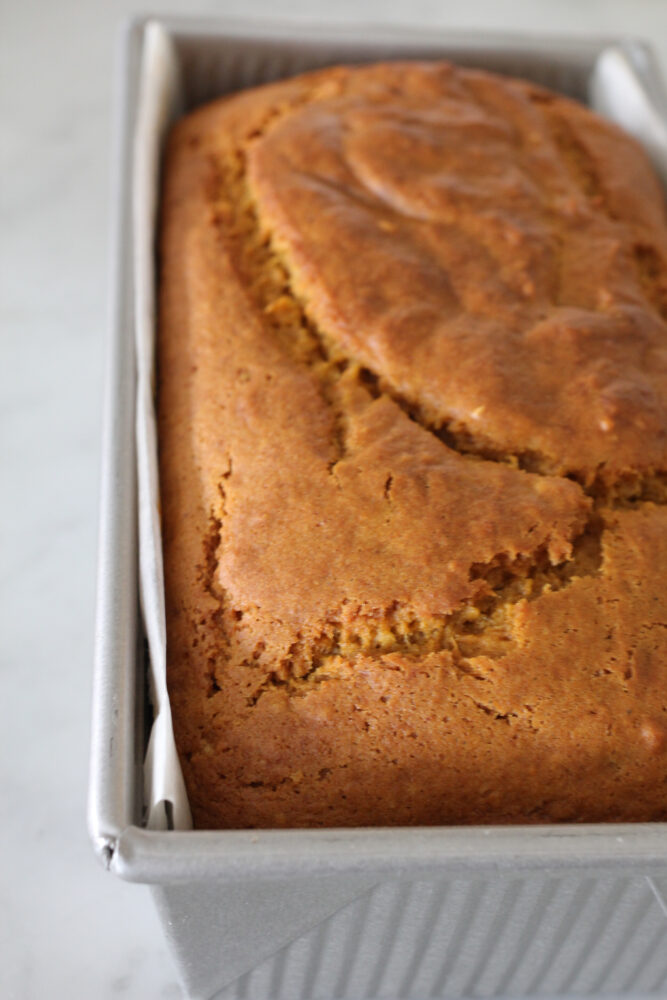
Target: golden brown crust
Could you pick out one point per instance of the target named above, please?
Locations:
(413, 446)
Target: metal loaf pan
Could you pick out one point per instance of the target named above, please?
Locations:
(362, 913)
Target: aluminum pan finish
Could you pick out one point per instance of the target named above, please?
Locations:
(113, 789)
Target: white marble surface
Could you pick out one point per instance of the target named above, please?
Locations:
(69, 929)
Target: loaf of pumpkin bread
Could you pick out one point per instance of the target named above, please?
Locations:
(413, 447)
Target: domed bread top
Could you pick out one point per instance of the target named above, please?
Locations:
(413, 448)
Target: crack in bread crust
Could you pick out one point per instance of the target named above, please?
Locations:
(481, 629)
(266, 275)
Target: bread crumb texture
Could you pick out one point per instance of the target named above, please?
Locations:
(413, 448)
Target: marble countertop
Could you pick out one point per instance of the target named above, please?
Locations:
(70, 929)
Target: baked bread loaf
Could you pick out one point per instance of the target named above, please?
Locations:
(413, 448)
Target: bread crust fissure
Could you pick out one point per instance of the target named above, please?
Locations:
(266, 276)
(479, 629)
